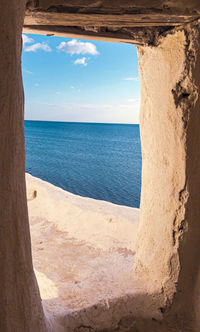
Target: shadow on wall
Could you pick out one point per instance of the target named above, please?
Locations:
(133, 313)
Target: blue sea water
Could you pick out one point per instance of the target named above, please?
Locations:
(101, 161)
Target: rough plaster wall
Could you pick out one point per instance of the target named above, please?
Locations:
(167, 244)
(187, 229)
(163, 156)
(138, 21)
(183, 7)
(20, 306)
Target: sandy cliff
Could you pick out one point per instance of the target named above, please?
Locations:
(83, 250)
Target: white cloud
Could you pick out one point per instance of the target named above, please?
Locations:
(81, 61)
(26, 39)
(136, 79)
(77, 47)
(38, 46)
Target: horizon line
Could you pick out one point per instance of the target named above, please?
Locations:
(83, 122)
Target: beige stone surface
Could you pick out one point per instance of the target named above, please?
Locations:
(163, 158)
(83, 250)
(102, 224)
(20, 304)
(139, 22)
(168, 234)
(159, 12)
(166, 296)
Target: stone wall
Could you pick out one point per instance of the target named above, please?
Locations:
(20, 305)
(168, 235)
(139, 21)
(168, 246)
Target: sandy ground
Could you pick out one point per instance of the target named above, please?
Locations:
(83, 249)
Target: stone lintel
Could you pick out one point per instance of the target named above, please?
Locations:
(138, 36)
(120, 21)
(109, 20)
(136, 7)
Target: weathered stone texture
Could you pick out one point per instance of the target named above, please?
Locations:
(179, 7)
(20, 305)
(186, 232)
(108, 20)
(168, 239)
(168, 235)
(163, 157)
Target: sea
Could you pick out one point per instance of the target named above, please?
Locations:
(101, 161)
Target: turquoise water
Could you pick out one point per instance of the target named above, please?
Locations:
(101, 161)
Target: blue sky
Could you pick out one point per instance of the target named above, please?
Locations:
(79, 80)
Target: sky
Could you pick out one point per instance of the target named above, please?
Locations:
(80, 80)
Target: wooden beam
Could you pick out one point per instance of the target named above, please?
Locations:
(98, 20)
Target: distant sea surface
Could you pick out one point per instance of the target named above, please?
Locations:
(101, 161)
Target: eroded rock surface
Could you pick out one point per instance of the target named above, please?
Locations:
(168, 237)
(138, 21)
(83, 254)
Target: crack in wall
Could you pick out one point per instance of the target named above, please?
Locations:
(180, 223)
